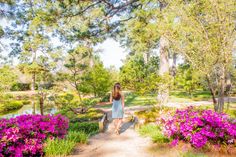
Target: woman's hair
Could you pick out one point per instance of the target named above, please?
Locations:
(116, 93)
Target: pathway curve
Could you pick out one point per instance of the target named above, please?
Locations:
(108, 144)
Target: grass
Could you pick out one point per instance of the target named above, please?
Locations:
(154, 132)
(192, 154)
(63, 147)
(181, 96)
(137, 100)
(78, 137)
(59, 147)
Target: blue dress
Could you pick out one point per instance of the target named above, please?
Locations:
(117, 111)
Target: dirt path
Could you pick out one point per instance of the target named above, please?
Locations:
(108, 144)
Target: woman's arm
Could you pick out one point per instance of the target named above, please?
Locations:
(123, 101)
(110, 99)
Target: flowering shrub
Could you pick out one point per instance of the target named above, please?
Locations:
(199, 127)
(24, 135)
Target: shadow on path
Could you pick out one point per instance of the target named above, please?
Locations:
(126, 126)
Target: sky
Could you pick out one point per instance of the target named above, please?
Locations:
(112, 53)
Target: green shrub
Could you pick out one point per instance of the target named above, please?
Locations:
(26, 102)
(105, 98)
(59, 147)
(89, 128)
(91, 114)
(78, 137)
(153, 131)
(88, 102)
(10, 105)
(20, 87)
(68, 113)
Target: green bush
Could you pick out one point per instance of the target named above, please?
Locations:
(26, 102)
(89, 128)
(88, 102)
(59, 147)
(91, 114)
(20, 87)
(153, 131)
(10, 105)
(78, 137)
(69, 114)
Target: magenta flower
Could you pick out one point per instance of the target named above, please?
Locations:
(25, 135)
(199, 127)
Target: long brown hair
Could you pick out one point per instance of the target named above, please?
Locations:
(116, 93)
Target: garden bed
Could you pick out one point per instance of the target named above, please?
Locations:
(194, 131)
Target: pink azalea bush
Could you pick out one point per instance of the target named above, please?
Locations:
(200, 127)
(25, 135)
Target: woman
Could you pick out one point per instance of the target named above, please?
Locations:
(118, 104)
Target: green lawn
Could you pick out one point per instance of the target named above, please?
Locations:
(175, 96)
(180, 96)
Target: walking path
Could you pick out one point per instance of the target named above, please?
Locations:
(128, 143)
(108, 144)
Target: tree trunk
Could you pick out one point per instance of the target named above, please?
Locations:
(163, 93)
(173, 68)
(164, 56)
(220, 105)
(41, 103)
(228, 88)
(213, 93)
(34, 107)
(33, 82)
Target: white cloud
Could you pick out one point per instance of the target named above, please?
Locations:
(112, 53)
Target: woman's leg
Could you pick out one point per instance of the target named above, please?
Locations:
(119, 123)
(115, 123)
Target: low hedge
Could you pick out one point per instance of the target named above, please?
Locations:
(10, 105)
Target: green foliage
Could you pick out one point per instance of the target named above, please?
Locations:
(90, 115)
(192, 154)
(10, 105)
(187, 79)
(97, 81)
(67, 100)
(1, 32)
(63, 147)
(78, 137)
(20, 87)
(89, 102)
(59, 147)
(138, 76)
(7, 78)
(89, 128)
(153, 131)
(68, 113)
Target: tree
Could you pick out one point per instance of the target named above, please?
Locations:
(96, 80)
(137, 75)
(204, 32)
(77, 63)
(187, 78)
(7, 78)
(147, 32)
